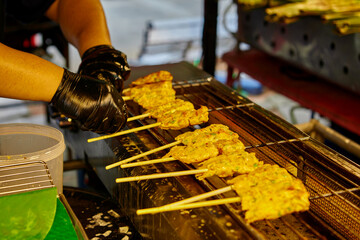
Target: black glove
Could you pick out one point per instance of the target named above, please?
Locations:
(106, 63)
(94, 103)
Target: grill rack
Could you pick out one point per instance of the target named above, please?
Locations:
(24, 177)
(333, 194)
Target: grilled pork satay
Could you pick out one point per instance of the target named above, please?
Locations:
(152, 100)
(212, 133)
(223, 145)
(159, 98)
(192, 154)
(270, 192)
(152, 95)
(182, 119)
(162, 88)
(205, 143)
(228, 165)
(160, 76)
(228, 147)
(170, 107)
(197, 153)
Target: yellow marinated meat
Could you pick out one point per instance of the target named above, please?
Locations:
(198, 153)
(288, 199)
(191, 154)
(270, 192)
(313, 7)
(141, 90)
(154, 99)
(181, 119)
(151, 96)
(228, 165)
(155, 77)
(199, 116)
(175, 121)
(227, 147)
(158, 97)
(170, 107)
(212, 133)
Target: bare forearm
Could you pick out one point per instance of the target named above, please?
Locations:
(26, 76)
(83, 22)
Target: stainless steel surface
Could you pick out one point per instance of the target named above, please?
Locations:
(332, 180)
(316, 128)
(24, 177)
(308, 43)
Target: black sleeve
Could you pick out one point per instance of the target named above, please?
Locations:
(27, 11)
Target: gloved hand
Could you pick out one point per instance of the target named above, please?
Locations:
(106, 63)
(94, 103)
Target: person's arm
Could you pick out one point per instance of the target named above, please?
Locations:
(84, 25)
(96, 105)
(26, 76)
(83, 22)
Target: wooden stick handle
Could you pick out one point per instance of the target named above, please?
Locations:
(138, 117)
(188, 206)
(124, 132)
(201, 196)
(126, 98)
(142, 163)
(126, 90)
(160, 175)
(142, 155)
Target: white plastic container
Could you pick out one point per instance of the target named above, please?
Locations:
(23, 142)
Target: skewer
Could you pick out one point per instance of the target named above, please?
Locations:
(142, 163)
(201, 196)
(142, 155)
(138, 117)
(141, 116)
(161, 175)
(187, 206)
(126, 98)
(126, 90)
(209, 110)
(124, 132)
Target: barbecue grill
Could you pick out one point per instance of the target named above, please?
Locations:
(331, 179)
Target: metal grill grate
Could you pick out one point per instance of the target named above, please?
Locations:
(335, 192)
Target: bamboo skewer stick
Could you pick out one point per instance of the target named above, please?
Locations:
(126, 98)
(128, 131)
(126, 90)
(161, 175)
(142, 155)
(201, 196)
(142, 163)
(148, 114)
(187, 206)
(124, 132)
(138, 117)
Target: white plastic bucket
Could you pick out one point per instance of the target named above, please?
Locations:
(21, 142)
